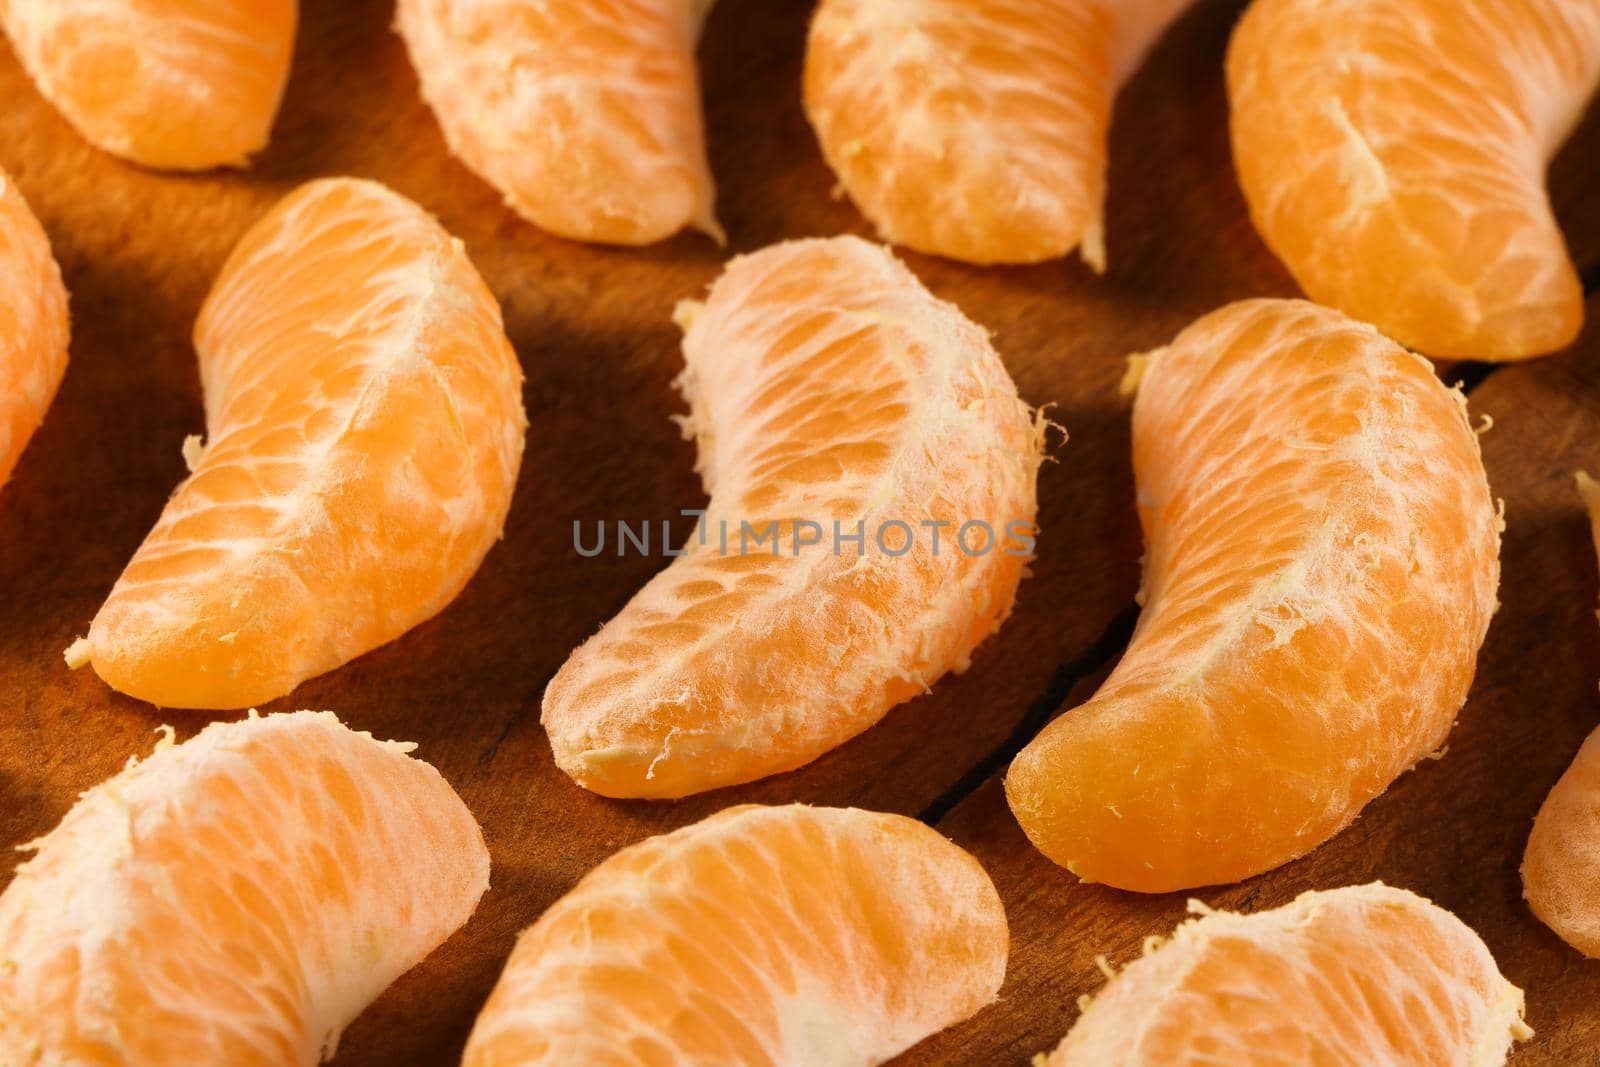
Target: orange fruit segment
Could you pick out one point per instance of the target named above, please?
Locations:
(976, 131)
(1360, 975)
(584, 114)
(33, 325)
(170, 84)
(1393, 157)
(759, 936)
(831, 397)
(1322, 556)
(365, 423)
(1561, 867)
(237, 899)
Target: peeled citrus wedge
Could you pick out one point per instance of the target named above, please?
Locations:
(33, 325)
(1361, 975)
(365, 417)
(977, 131)
(772, 936)
(1322, 556)
(171, 84)
(585, 114)
(1561, 868)
(234, 900)
(1393, 157)
(857, 437)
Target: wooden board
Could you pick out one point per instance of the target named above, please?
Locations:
(592, 329)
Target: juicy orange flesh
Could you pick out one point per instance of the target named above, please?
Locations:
(1393, 157)
(759, 936)
(33, 325)
(181, 84)
(365, 425)
(585, 114)
(1561, 867)
(1364, 974)
(1321, 568)
(246, 893)
(976, 131)
(826, 386)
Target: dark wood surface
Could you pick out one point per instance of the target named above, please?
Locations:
(592, 328)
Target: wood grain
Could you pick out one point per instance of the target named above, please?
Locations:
(592, 329)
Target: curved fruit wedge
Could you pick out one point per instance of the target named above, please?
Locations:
(778, 936)
(977, 131)
(365, 417)
(33, 325)
(1393, 157)
(832, 397)
(1321, 564)
(1364, 974)
(585, 114)
(233, 901)
(171, 84)
(1561, 868)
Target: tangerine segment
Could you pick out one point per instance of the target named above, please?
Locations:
(759, 936)
(1322, 555)
(1393, 154)
(832, 397)
(585, 114)
(366, 426)
(976, 131)
(171, 84)
(1561, 868)
(237, 899)
(33, 325)
(1360, 975)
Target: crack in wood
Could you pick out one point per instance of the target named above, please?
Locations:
(512, 720)
(1111, 643)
